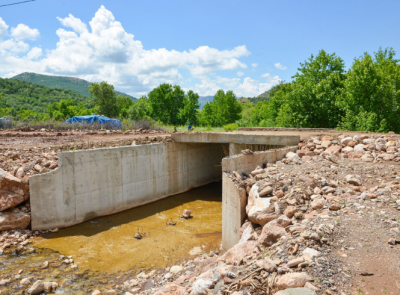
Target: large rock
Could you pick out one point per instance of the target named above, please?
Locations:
(346, 140)
(14, 220)
(334, 149)
(171, 289)
(239, 251)
(270, 234)
(359, 148)
(293, 280)
(258, 208)
(13, 190)
(292, 156)
(367, 158)
(296, 291)
(318, 203)
(201, 286)
(36, 288)
(353, 180)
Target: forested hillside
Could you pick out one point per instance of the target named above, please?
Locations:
(20, 98)
(75, 84)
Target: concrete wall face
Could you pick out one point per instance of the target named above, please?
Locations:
(93, 183)
(272, 140)
(233, 202)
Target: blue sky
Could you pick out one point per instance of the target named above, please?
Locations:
(245, 46)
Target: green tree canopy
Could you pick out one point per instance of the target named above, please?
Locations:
(104, 98)
(224, 109)
(310, 100)
(370, 99)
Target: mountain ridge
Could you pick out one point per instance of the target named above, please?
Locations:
(71, 83)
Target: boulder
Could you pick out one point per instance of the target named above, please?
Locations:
(318, 204)
(267, 264)
(265, 191)
(176, 269)
(367, 158)
(13, 190)
(36, 288)
(270, 234)
(346, 140)
(186, 213)
(310, 253)
(293, 280)
(292, 156)
(353, 180)
(239, 251)
(14, 220)
(257, 207)
(359, 148)
(283, 221)
(347, 149)
(290, 211)
(50, 286)
(171, 289)
(326, 143)
(334, 149)
(201, 286)
(296, 291)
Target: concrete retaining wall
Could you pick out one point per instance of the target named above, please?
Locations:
(233, 202)
(98, 182)
(282, 129)
(246, 163)
(228, 137)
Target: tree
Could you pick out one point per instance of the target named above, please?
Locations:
(140, 109)
(191, 105)
(310, 100)
(104, 98)
(170, 105)
(224, 109)
(123, 104)
(369, 98)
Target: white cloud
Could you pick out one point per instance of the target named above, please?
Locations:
(266, 75)
(279, 66)
(22, 32)
(35, 52)
(240, 74)
(74, 23)
(3, 27)
(249, 87)
(254, 65)
(104, 51)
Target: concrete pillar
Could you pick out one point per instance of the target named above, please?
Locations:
(233, 212)
(234, 149)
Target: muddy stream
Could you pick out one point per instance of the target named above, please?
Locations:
(106, 252)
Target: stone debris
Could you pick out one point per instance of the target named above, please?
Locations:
(289, 241)
(186, 214)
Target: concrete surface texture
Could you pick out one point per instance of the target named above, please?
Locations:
(246, 163)
(229, 137)
(98, 182)
(233, 212)
(233, 199)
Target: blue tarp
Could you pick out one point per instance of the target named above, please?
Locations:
(113, 123)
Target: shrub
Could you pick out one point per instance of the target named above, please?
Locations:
(231, 127)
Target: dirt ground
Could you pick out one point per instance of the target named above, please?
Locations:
(18, 139)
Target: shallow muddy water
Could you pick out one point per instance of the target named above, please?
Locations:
(105, 249)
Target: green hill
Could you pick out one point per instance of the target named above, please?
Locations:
(75, 84)
(20, 95)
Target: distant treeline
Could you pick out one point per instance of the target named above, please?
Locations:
(321, 94)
